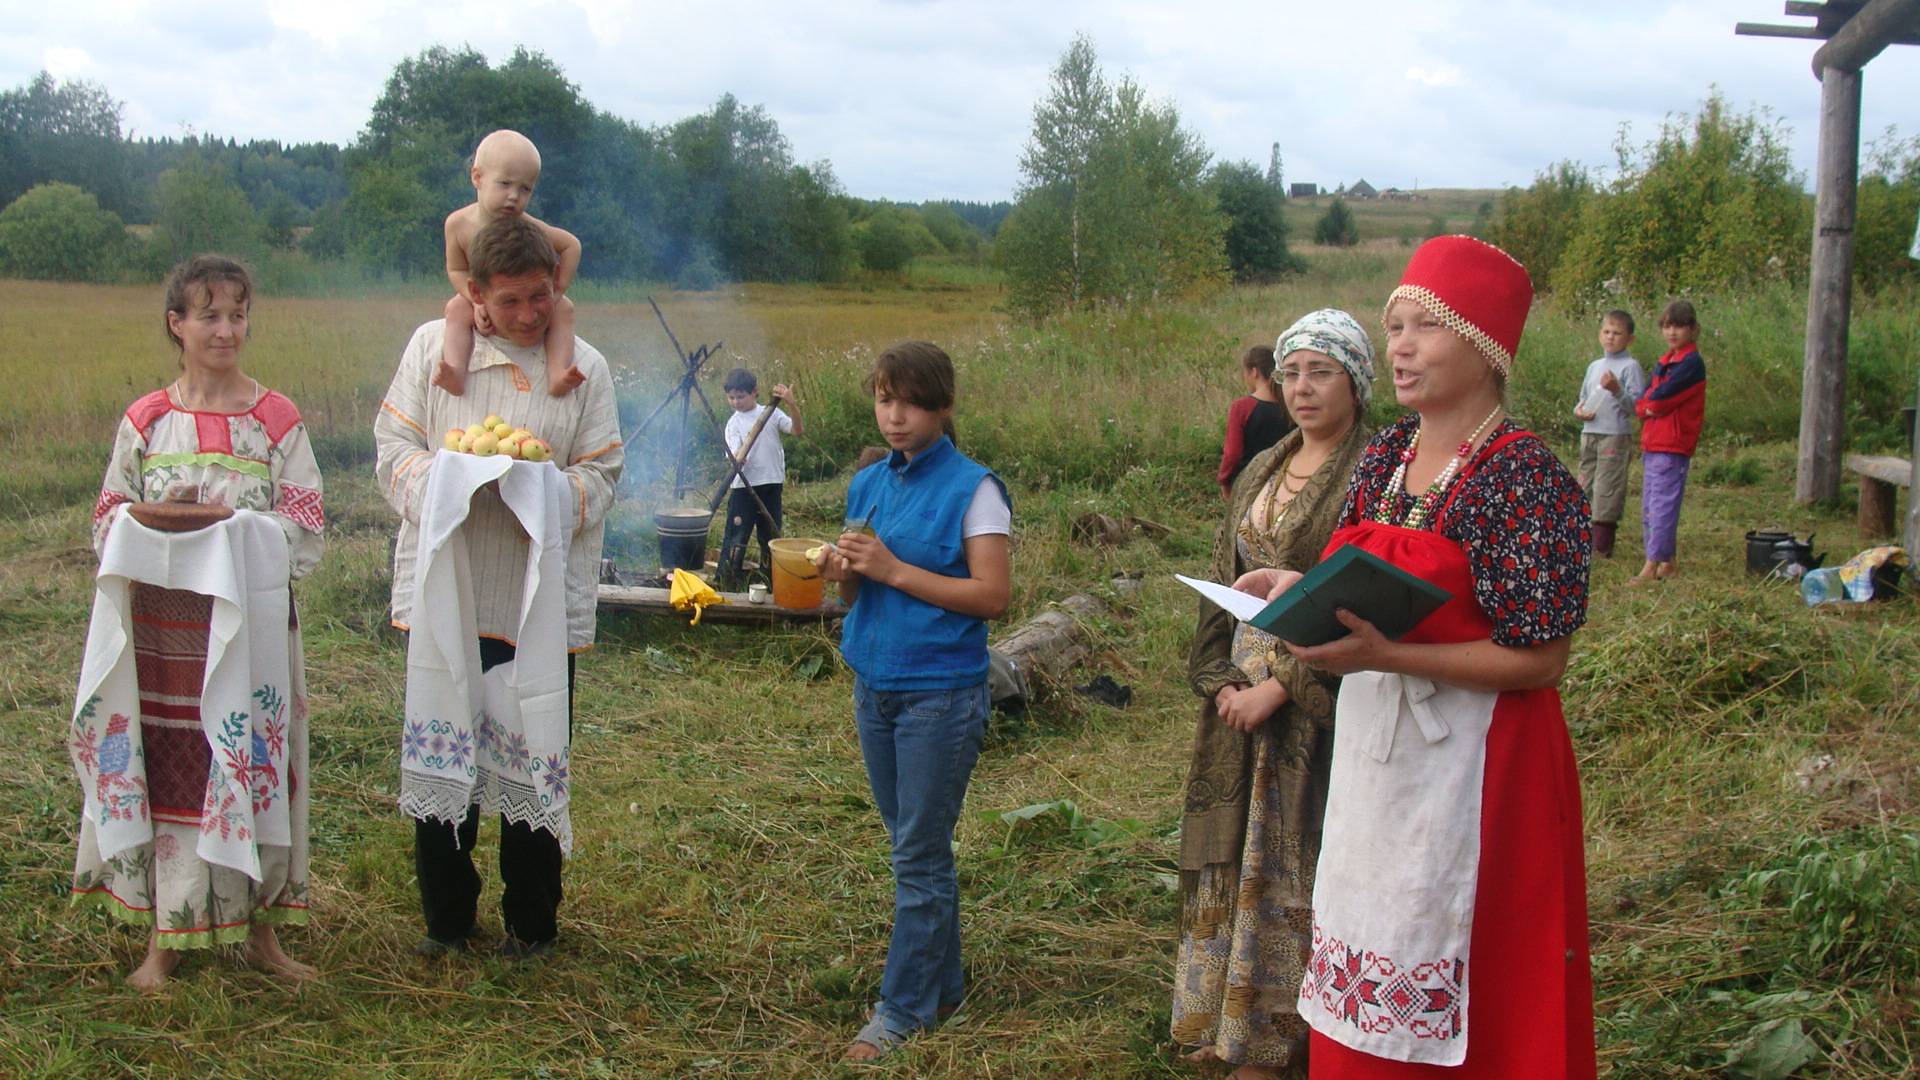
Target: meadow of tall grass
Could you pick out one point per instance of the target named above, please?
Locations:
(1749, 765)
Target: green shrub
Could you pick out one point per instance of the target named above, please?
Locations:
(1705, 204)
(1535, 224)
(57, 232)
(1889, 201)
(1851, 902)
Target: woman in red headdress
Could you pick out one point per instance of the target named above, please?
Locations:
(1449, 908)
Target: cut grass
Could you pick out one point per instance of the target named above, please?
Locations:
(729, 898)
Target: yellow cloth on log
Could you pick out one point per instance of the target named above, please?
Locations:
(689, 591)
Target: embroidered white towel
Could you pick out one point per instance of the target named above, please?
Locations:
(1399, 861)
(242, 563)
(498, 741)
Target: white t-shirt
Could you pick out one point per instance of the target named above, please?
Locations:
(767, 462)
(988, 514)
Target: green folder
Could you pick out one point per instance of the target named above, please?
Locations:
(1360, 581)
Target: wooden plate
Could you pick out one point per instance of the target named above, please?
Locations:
(177, 516)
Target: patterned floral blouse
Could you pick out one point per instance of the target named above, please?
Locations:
(1520, 517)
(259, 460)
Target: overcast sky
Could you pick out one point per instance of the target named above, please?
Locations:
(914, 100)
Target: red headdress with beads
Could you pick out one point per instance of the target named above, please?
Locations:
(1477, 290)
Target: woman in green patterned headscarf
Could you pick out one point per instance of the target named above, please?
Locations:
(1257, 782)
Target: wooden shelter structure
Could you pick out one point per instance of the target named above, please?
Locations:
(1854, 32)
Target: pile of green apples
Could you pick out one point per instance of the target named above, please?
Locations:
(495, 436)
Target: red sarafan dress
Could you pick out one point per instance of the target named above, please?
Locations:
(1450, 915)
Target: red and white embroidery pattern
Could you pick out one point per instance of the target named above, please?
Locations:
(1379, 995)
(107, 501)
(302, 507)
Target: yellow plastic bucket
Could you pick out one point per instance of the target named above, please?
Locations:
(796, 581)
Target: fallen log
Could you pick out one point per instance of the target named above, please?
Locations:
(1049, 645)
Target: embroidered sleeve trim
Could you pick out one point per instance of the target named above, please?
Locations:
(596, 453)
(1380, 995)
(403, 418)
(302, 506)
(108, 500)
(405, 469)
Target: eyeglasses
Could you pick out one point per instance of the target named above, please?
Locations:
(1315, 376)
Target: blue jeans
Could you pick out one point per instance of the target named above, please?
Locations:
(920, 747)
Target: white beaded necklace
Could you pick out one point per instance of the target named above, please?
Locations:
(1424, 505)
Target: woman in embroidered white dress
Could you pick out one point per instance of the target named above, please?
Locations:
(214, 436)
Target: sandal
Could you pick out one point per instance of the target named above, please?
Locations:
(877, 1035)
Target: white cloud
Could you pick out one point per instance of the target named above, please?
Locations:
(64, 62)
(1438, 75)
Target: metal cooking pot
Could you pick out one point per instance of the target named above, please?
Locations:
(1760, 545)
(1793, 558)
(683, 538)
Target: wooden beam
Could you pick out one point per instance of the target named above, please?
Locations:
(1863, 37)
(1747, 29)
(1823, 386)
(1835, 10)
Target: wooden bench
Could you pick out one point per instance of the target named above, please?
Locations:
(651, 600)
(1879, 475)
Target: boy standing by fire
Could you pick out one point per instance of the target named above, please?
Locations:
(763, 471)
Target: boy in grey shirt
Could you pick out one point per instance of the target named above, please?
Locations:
(1606, 400)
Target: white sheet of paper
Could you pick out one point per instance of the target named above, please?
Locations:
(1242, 606)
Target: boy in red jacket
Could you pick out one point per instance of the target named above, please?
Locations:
(1672, 409)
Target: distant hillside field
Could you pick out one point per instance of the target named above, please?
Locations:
(1397, 219)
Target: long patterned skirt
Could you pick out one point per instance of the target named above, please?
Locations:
(1246, 930)
(189, 902)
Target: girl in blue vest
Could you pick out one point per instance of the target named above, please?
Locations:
(921, 578)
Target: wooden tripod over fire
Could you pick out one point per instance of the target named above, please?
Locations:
(685, 391)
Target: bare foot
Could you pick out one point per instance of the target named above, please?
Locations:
(263, 951)
(1649, 571)
(152, 973)
(861, 1051)
(1666, 570)
(561, 383)
(1254, 1072)
(449, 377)
(1202, 1056)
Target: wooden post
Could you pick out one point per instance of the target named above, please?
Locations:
(1823, 387)
(1911, 538)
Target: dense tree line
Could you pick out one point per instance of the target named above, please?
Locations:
(714, 196)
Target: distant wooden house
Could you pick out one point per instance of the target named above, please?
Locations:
(1362, 190)
(1302, 191)
(1394, 194)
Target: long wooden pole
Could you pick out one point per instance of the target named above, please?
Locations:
(1823, 387)
(1911, 539)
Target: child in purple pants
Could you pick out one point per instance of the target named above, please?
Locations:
(1672, 408)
